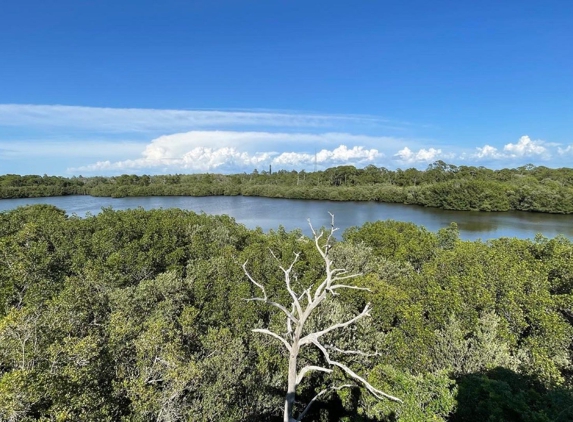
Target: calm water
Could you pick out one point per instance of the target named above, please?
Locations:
(269, 213)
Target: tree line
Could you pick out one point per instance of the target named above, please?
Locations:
(142, 316)
(441, 185)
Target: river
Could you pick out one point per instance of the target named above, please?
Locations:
(269, 213)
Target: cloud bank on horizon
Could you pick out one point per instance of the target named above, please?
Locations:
(89, 140)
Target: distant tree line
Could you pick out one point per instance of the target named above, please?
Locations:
(31, 186)
(140, 316)
(441, 185)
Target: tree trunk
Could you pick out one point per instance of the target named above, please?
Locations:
(291, 389)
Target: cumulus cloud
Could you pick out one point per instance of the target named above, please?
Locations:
(524, 148)
(222, 151)
(407, 156)
(93, 139)
(487, 151)
(341, 154)
(202, 159)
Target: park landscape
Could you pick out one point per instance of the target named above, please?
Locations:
(166, 314)
(301, 210)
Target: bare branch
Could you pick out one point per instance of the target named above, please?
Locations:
(346, 286)
(276, 259)
(276, 305)
(260, 286)
(309, 368)
(312, 337)
(374, 391)
(270, 333)
(301, 295)
(289, 322)
(333, 229)
(287, 272)
(297, 316)
(325, 284)
(296, 255)
(308, 296)
(289, 288)
(317, 237)
(350, 352)
(312, 229)
(265, 299)
(315, 398)
(334, 274)
(346, 277)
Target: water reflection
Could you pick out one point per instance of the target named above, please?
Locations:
(269, 213)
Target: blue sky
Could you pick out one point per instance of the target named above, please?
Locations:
(111, 87)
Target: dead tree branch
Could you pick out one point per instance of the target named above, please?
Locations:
(298, 316)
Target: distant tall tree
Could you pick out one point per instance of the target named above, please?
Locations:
(297, 315)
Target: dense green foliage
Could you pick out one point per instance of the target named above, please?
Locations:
(30, 186)
(139, 316)
(441, 185)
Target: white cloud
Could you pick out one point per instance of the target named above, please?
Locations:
(123, 120)
(406, 155)
(202, 159)
(525, 147)
(203, 151)
(341, 154)
(69, 149)
(487, 151)
(175, 145)
(92, 139)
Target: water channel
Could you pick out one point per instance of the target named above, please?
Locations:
(269, 213)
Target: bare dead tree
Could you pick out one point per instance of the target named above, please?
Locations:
(297, 314)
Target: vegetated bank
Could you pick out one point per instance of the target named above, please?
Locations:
(140, 315)
(441, 185)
